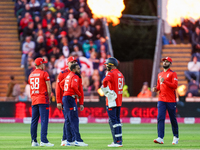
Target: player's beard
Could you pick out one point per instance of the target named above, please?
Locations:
(78, 74)
(165, 67)
(108, 68)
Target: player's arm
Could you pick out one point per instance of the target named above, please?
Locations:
(58, 89)
(75, 84)
(174, 83)
(106, 80)
(48, 83)
(156, 88)
(81, 100)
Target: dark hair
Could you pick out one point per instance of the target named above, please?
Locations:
(12, 77)
(73, 66)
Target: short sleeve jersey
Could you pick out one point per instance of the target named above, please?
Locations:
(38, 88)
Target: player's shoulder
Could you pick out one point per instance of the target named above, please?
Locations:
(65, 71)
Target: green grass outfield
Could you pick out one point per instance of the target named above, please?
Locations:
(98, 136)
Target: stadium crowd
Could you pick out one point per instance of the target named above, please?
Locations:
(189, 31)
(57, 29)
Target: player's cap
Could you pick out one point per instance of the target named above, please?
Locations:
(168, 59)
(71, 58)
(39, 61)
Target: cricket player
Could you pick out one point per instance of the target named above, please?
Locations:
(59, 94)
(40, 90)
(166, 85)
(113, 90)
(72, 89)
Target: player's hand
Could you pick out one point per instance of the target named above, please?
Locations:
(59, 106)
(154, 89)
(162, 80)
(81, 107)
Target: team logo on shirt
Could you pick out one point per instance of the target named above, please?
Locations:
(68, 77)
(75, 80)
(175, 79)
(159, 77)
(167, 75)
(58, 80)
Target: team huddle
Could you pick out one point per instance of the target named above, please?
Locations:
(69, 89)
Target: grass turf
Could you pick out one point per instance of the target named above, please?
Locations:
(98, 136)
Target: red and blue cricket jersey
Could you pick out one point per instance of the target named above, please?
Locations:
(167, 88)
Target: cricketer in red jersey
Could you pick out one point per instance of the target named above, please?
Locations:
(166, 85)
(113, 90)
(59, 94)
(40, 90)
(71, 90)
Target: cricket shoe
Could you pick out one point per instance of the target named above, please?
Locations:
(46, 144)
(111, 144)
(80, 144)
(63, 142)
(70, 143)
(175, 140)
(35, 143)
(159, 140)
(115, 145)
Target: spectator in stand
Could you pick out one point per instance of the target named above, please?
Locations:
(83, 4)
(76, 51)
(51, 42)
(21, 13)
(10, 87)
(61, 27)
(193, 89)
(39, 27)
(30, 66)
(59, 18)
(69, 3)
(102, 69)
(44, 10)
(24, 21)
(41, 53)
(36, 21)
(193, 71)
(85, 81)
(22, 97)
(27, 47)
(98, 32)
(95, 61)
(51, 68)
(83, 17)
(65, 48)
(145, 92)
(40, 43)
(50, 5)
(95, 81)
(35, 6)
(19, 6)
(29, 31)
(74, 31)
(87, 48)
(197, 23)
(196, 40)
(27, 90)
(86, 31)
(60, 64)
(102, 41)
(49, 28)
(59, 5)
(186, 29)
(48, 19)
(56, 52)
(71, 20)
(75, 42)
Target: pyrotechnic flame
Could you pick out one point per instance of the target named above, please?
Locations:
(177, 9)
(110, 9)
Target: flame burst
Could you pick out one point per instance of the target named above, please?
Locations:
(110, 9)
(177, 9)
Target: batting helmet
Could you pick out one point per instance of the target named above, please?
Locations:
(112, 61)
